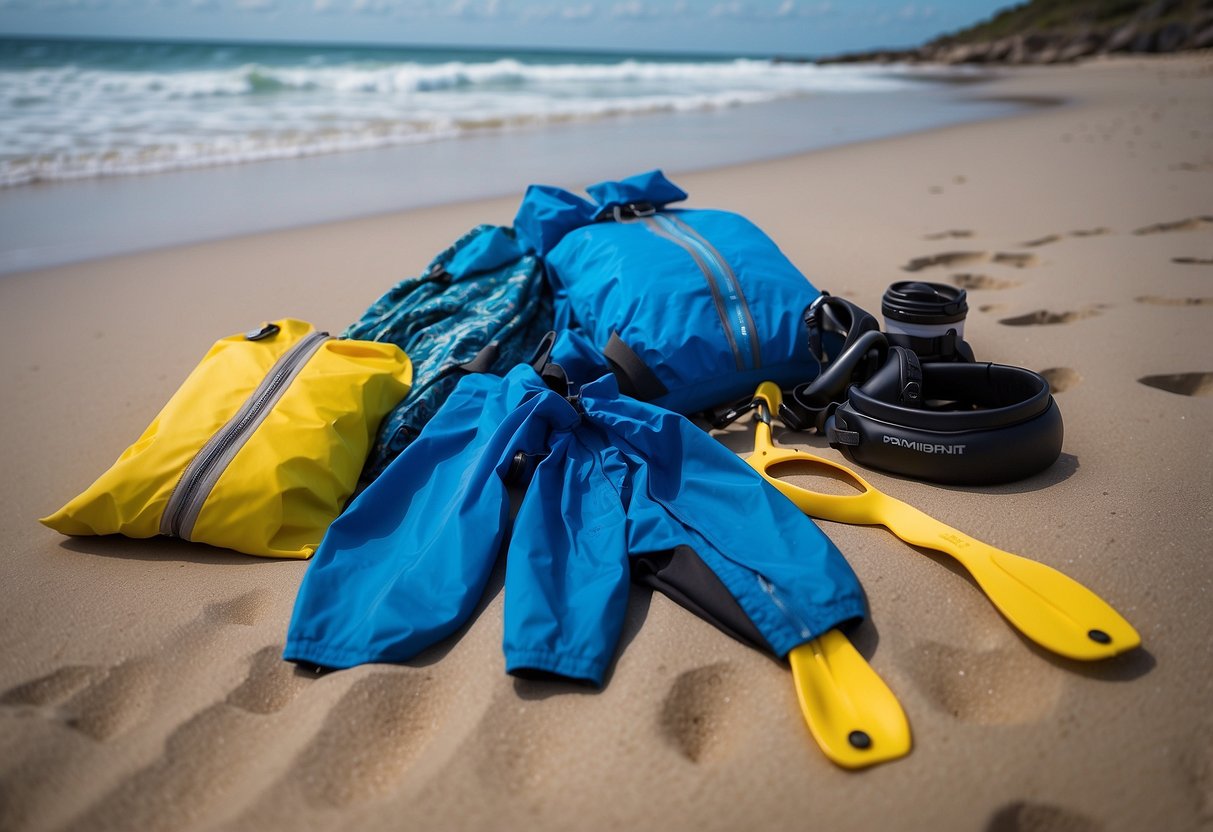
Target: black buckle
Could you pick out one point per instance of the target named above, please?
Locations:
(728, 414)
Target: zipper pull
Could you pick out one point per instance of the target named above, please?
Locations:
(267, 330)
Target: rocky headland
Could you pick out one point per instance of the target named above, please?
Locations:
(1061, 31)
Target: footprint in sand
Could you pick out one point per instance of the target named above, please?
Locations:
(1189, 224)
(203, 760)
(1019, 261)
(951, 259)
(1185, 384)
(54, 687)
(1061, 379)
(1003, 686)
(99, 702)
(1192, 166)
(105, 702)
(1193, 261)
(982, 281)
(1155, 300)
(520, 746)
(951, 233)
(699, 716)
(117, 702)
(108, 703)
(1043, 317)
(271, 684)
(207, 757)
(991, 308)
(1195, 768)
(1049, 239)
(1024, 816)
(369, 738)
(947, 258)
(245, 609)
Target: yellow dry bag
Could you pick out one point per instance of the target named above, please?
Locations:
(257, 451)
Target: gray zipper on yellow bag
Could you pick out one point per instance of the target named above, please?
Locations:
(185, 503)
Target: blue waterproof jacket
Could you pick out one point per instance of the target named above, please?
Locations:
(618, 482)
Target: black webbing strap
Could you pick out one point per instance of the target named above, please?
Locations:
(911, 377)
(483, 361)
(839, 436)
(946, 347)
(543, 352)
(552, 374)
(635, 377)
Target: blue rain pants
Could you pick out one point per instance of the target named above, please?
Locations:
(617, 480)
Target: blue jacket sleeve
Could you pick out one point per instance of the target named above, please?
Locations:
(566, 579)
(786, 575)
(404, 566)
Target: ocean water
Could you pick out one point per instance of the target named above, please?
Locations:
(78, 109)
(113, 147)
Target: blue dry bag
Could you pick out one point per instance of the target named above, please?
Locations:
(688, 308)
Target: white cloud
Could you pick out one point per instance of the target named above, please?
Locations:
(372, 6)
(630, 9)
(559, 11)
(55, 5)
(732, 8)
(791, 8)
(913, 12)
(627, 9)
(256, 5)
(539, 12)
(578, 12)
(323, 6)
(471, 8)
(909, 13)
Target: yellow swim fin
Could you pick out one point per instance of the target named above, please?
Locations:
(851, 713)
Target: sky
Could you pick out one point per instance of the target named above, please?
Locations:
(759, 27)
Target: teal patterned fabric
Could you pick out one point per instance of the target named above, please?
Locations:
(482, 290)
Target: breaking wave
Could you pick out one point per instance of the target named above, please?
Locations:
(81, 119)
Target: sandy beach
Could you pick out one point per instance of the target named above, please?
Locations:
(141, 685)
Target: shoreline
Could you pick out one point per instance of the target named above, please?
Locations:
(141, 684)
(46, 224)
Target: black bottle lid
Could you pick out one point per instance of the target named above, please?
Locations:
(927, 304)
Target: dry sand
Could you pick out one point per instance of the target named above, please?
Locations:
(140, 685)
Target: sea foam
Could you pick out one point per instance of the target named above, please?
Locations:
(81, 119)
